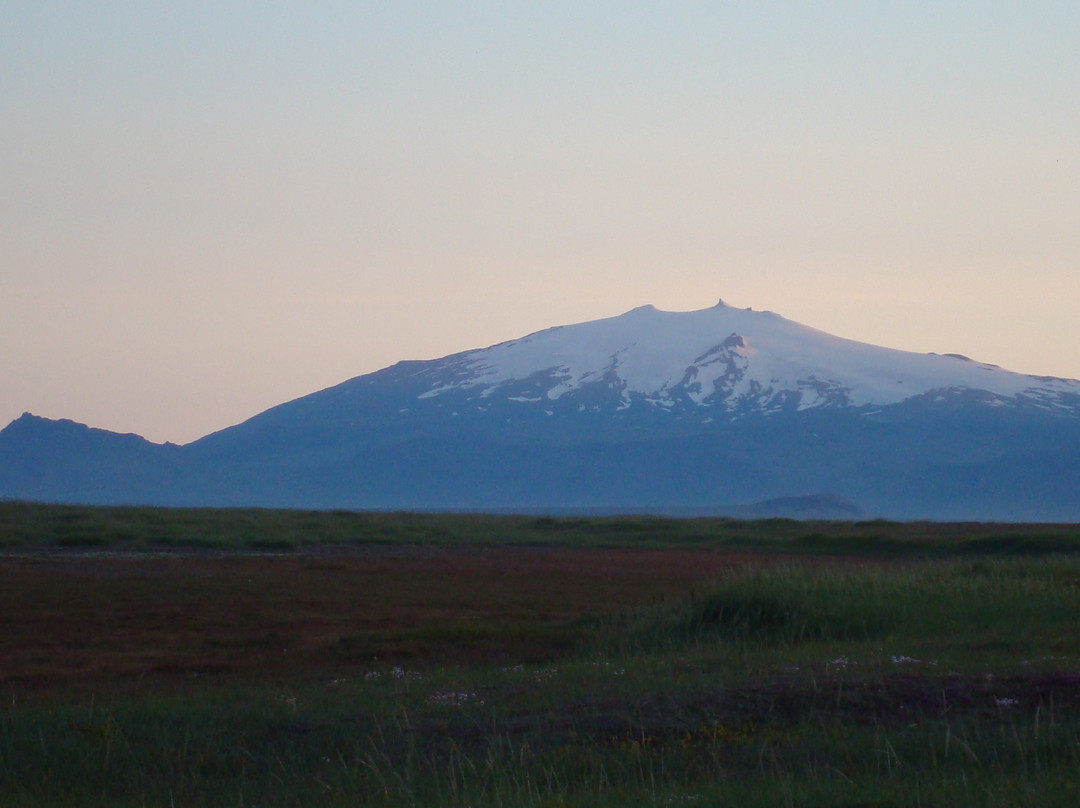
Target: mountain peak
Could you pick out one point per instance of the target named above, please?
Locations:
(718, 361)
(649, 308)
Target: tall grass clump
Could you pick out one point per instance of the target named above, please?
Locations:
(789, 604)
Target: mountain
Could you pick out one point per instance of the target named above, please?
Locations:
(651, 410)
(62, 461)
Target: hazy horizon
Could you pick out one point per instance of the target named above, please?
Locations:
(213, 209)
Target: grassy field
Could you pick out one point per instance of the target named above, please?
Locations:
(259, 658)
(29, 527)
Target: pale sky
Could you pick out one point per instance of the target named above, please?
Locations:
(209, 209)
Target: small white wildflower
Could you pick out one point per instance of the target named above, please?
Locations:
(453, 699)
(840, 662)
(373, 674)
(904, 660)
(1006, 702)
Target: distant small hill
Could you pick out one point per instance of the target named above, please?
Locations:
(824, 507)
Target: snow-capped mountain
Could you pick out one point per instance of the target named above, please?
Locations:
(737, 360)
(649, 410)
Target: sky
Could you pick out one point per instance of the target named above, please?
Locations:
(208, 209)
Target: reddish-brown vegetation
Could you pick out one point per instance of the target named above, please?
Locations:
(92, 619)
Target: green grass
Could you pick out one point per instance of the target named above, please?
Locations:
(923, 601)
(29, 527)
(879, 683)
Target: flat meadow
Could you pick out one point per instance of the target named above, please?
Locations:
(159, 657)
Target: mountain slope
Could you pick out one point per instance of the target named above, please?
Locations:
(650, 409)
